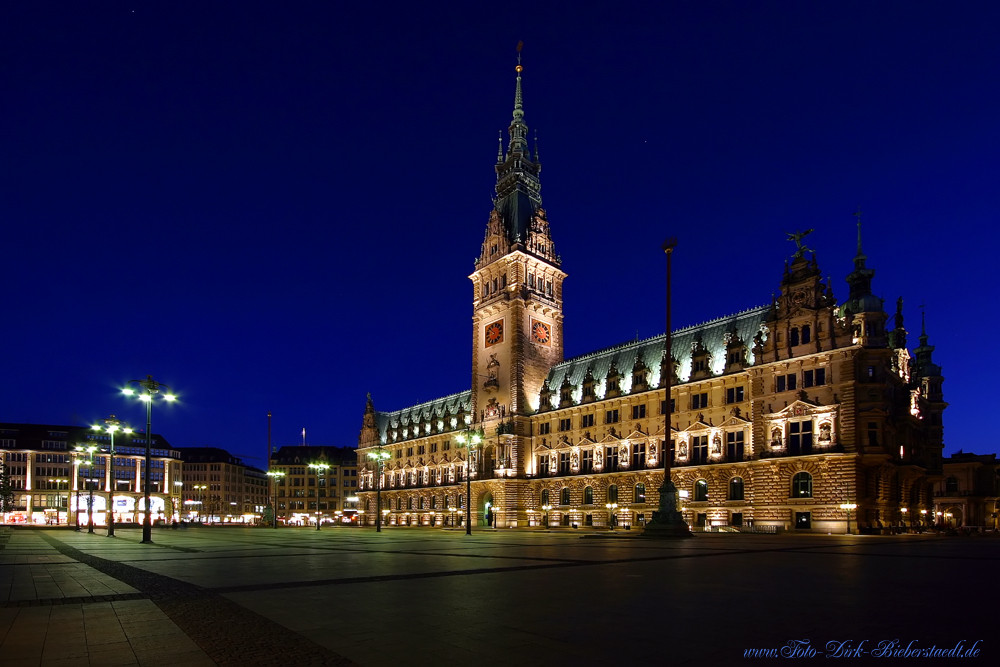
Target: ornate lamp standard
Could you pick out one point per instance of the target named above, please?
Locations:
(111, 424)
(546, 509)
(149, 388)
(612, 514)
(472, 438)
(667, 522)
(379, 457)
(275, 475)
(320, 469)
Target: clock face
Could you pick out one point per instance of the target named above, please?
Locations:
(540, 332)
(494, 333)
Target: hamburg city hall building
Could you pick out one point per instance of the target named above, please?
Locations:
(806, 413)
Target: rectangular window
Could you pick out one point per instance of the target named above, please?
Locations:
(544, 428)
(611, 459)
(639, 456)
(785, 382)
(699, 449)
(563, 463)
(586, 421)
(587, 461)
(420, 449)
(543, 466)
(800, 437)
(734, 394)
(434, 447)
(872, 434)
(639, 411)
(734, 446)
(699, 401)
(566, 424)
(815, 377)
(611, 417)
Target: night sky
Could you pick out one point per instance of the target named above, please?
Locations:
(275, 206)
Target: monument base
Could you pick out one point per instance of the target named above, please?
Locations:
(668, 522)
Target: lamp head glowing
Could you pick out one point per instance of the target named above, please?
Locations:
(127, 430)
(145, 398)
(96, 427)
(170, 397)
(128, 391)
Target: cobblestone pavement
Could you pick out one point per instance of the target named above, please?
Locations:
(256, 596)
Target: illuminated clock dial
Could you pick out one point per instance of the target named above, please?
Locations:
(494, 333)
(540, 332)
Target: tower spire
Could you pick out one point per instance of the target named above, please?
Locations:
(859, 259)
(518, 130)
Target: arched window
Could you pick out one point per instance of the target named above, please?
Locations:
(409, 503)
(434, 502)
(736, 488)
(399, 504)
(701, 490)
(564, 496)
(640, 493)
(588, 495)
(545, 496)
(613, 493)
(802, 485)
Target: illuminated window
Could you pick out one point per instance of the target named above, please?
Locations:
(802, 485)
(640, 493)
(701, 490)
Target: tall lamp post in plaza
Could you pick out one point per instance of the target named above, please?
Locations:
(111, 424)
(275, 475)
(320, 469)
(201, 500)
(668, 521)
(59, 498)
(470, 440)
(148, 388)
(379, 457)
(89, 462)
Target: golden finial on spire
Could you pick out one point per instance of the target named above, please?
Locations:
(520, 45)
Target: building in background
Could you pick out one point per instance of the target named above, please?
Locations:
(808, 412)
(968, 496)
(55, 469)
(311, 482)
(219, 488)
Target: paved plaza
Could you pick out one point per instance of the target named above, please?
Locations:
(340, 596)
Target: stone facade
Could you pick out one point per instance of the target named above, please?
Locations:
(780, 414)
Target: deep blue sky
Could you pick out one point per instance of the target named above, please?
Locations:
(275, 206)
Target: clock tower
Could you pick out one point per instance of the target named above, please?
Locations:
(517, 303)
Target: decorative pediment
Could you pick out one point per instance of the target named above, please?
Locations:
(637, 434)
(584, 442)
(609, 440)
(735, 422)
(543, 447)
(800, 408)
(698, 427)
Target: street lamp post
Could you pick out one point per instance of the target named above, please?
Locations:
(848, 507)
(668, 521)
(89, 462)
(149, 388)
(111, 424)
(275, 475)
(903, 512)
(320, 469)
(546, 508)
(612, 514)
(59, 498)
(471, 438)
(379, 457)
(201, 500)
(76, 476)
